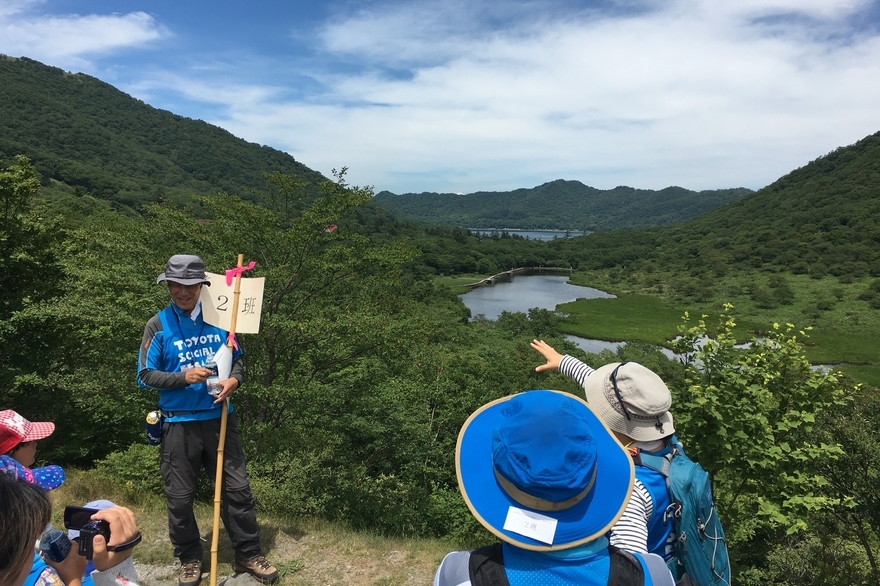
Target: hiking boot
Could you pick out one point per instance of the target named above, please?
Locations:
(258, 567)
(190, 573)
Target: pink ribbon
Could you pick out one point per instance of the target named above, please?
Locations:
(231, 273)
(230, 339)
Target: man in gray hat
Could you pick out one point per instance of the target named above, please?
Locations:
(177, 344)
(634, 403)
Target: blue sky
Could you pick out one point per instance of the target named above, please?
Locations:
(461, 96)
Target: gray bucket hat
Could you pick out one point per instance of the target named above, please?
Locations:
(186, 269)
(631, 399)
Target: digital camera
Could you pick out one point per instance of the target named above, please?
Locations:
(80, 519)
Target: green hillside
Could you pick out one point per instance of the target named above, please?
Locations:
(87, 134)
(560, 205)
(819, 219)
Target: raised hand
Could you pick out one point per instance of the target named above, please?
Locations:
(546, 350)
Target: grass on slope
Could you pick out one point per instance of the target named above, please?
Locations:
(307, 552)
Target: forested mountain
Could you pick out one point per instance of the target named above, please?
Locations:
(821, 218)
(84, 133)
(560, 205)
(87, 134)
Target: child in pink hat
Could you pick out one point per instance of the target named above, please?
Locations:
(18, 450)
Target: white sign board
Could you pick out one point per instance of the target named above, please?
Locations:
(217, 303)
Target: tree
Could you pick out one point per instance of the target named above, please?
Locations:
(30, 241)
(855, 477)
(27, 241)
(749, 416)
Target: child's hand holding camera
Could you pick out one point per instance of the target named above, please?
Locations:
(124, 535)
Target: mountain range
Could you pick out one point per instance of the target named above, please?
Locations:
(85, 134)
(560, 205)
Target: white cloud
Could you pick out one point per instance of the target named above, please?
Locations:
(692, 94)
(463, 96)
(72, 40)
(231, 94)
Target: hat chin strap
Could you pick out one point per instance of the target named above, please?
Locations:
(539, 504)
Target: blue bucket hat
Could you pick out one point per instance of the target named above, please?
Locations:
(541, 471)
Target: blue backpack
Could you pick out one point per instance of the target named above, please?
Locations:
(700, 547)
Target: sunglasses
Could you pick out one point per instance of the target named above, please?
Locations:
(617, 391)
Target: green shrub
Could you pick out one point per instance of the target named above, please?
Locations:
(137, 469)
(448, 510)
(825, 304)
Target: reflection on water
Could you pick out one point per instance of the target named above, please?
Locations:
(524, 292)
(596, 346)
(544, 235)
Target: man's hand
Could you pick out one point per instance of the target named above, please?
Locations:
(229, 385)
(123, 529)
(553, 357)
(197, 374)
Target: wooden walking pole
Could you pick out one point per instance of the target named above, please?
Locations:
(218, 477)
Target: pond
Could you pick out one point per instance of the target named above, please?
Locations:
(524, 292)
(543, 235)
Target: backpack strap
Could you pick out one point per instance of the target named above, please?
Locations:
(486, 566)
(662, 465)
(625, 568)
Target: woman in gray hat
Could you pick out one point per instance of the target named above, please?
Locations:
(634, 403)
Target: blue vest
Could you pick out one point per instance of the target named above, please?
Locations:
(39, 565)
(661, 536)
(587, 565)
(186, 344)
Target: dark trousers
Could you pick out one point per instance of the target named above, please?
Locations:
(186, 447)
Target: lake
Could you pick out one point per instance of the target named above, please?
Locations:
(545, 235)
(524, 292)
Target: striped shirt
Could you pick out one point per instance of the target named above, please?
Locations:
(630, 533)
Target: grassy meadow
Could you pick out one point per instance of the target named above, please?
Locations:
(841, 325)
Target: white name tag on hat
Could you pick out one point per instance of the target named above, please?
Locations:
(530, 524)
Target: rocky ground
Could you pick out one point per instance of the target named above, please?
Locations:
(150, 575)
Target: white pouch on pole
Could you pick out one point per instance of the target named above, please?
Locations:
(223, 359)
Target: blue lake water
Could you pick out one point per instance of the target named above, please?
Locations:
(524, 292)
(544, 235)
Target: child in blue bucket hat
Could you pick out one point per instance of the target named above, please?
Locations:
(543, 474)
